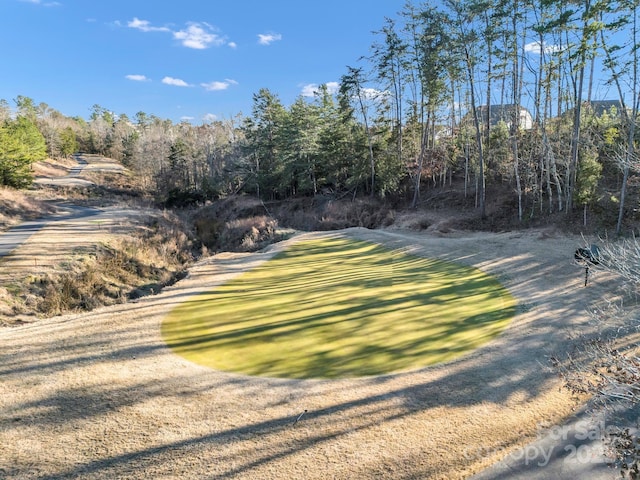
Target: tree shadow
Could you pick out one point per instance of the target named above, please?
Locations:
(235, 426)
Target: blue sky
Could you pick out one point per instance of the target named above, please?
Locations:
(184, 59)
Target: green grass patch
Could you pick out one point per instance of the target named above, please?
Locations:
(337, 307)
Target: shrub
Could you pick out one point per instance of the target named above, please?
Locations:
(248, 234)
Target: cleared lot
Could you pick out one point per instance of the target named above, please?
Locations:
(99, 395)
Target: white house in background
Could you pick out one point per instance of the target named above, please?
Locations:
(505, 113)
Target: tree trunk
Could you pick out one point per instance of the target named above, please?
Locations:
(575, 141)
(515, 122)
(476, 122)
(423, 150)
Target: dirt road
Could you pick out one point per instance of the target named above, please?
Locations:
(85, 164)
(17, 236)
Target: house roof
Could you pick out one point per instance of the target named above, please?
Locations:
(599, 107)
(497, 113)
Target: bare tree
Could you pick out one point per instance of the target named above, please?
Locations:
(465, 42)
(353, 83)
(624, 69)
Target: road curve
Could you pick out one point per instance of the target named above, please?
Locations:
(16, 236)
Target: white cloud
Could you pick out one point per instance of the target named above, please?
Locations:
(176, 82)
(145, 26)
(186, 118)
(44, 4)
(232, 44)
(213, 86)
(137, 78)
(216, 85)
(333, 87)
(533, 47)
(537, 49)
(268, 38)
(372, 93)
(311, 89)
(210, 117)
(198, 36)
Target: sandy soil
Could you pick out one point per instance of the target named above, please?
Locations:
(99, 396)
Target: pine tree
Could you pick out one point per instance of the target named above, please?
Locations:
(21, 144)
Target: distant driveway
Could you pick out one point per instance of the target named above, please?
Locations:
(85, 164)
(77, 170)
(16, 236)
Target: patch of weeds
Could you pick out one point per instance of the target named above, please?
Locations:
(155, 288)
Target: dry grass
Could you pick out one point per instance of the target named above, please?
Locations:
(17, 206)
(328, 213)
(236, 224)
(245, 224)
(81, 264)
(99, 396)
(237, 235)
(53, 168)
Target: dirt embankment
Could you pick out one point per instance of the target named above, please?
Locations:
(16, 207)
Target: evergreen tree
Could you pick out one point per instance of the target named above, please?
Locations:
(587, 179)
(69, 143)
(21, 144)
(264, 143)
(301, 132)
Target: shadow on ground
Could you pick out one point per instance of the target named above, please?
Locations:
(108, 400)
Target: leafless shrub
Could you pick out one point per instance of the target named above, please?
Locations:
(608, 366)
(235, 224)
(623, 258)
(248, 234)
(626, 159)
(208, 230)
(359, 213)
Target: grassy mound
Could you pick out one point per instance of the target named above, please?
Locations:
(340, 308)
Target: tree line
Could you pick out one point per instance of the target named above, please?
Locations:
(417, 112)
